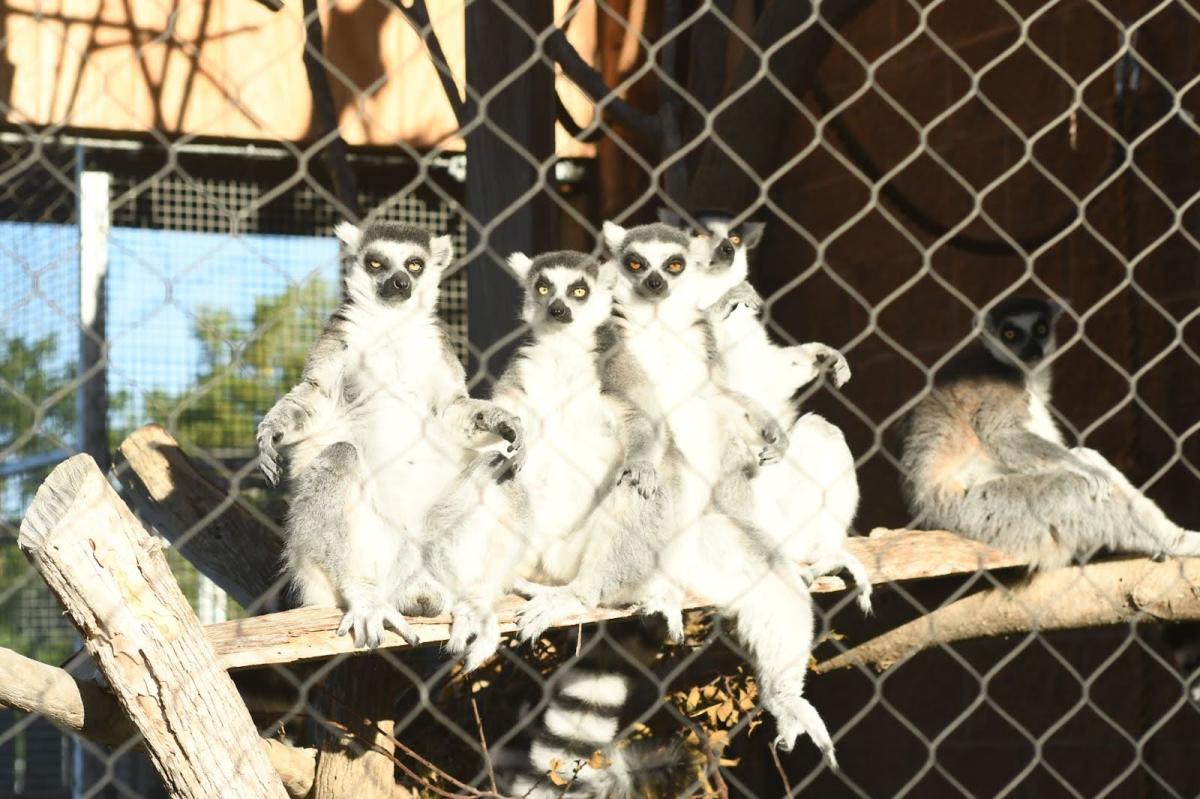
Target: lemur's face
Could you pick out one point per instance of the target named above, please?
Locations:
(652, 261)
(563, 290)
(730, 243)
(1020, 330)
(394, 265)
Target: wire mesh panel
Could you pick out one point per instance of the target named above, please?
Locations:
(916, 164)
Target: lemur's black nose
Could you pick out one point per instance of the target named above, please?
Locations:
(726, 248)
(559, 311)
(655, 282)
(400, 282)
(397, 286)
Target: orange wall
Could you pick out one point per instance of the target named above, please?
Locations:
(231, 68)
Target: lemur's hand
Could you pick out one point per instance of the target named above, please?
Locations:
(741, 294)
(775, 442)
(641, 476)
(495, 419)
(270, 433)
(829, 360)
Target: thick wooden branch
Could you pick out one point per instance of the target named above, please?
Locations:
(309, 633)
(203, 521)
(416, 14)
(334, 151)
(84, 708)
(1099, 594)
(117, 588)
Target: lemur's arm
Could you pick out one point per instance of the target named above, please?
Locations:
(642, 427)
(291, 414)
(1001, 428)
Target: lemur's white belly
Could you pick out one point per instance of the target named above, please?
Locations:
(676, 363)
(409, 456)
(754, 366)
(573, 447)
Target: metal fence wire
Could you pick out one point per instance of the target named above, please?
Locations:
(171, 177)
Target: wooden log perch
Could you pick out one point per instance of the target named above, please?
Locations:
(203, 521)
(86, 709)
(309, 633)
(1099, 594)
(116, 586)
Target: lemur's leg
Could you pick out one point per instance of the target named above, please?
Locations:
(334, 530)
(477, 541)
(1158, 536)
(773, 618)
(624, 542)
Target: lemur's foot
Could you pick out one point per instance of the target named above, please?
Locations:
(367, 621)
(641, 476)
(547, 608)
(775, 442)
(794, 717)
(474, 635)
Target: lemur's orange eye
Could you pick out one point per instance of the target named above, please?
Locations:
(633, 264)
(1010, 334)
(735, 240)
(415, 265)
(675, 267)
(375, 264)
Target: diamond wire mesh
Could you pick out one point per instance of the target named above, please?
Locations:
(915, 162)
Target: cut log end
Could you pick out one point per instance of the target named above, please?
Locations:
(67, 484)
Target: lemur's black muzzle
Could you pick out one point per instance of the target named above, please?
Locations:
(559, 311)
(726, 249)
(396, 287)
(654, 283)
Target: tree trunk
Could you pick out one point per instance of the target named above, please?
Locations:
(116, 586)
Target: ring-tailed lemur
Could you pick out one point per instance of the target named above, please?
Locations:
(586, 507)
(727, 563)
(591, 700)
(983, 457)
(806, 504)
(373, 433)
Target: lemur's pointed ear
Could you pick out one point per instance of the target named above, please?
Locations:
(441, 249)
(348, 234)
(753, 234)
(614, 234)
(1054, 308)
(520, 263)
(669, 217)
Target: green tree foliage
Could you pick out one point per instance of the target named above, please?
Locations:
(246, 366)
(37, 404)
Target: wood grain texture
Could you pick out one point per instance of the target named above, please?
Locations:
(83, 707)
(116, 586)
(204, 521)
(308, 633)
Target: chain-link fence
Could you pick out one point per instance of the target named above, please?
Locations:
(172, 176)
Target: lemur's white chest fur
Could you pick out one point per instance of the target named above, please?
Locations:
(571, 430)
(396, 381)
(1041, 422)
(672, 350)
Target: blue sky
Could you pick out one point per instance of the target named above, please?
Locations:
(157, 281)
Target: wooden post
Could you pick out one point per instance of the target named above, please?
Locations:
(217, 535)
(358, 761)
(497, 175)
(116, 586)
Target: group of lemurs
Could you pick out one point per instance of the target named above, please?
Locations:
(643, 446)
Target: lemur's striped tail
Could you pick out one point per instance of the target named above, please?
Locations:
(577, 751)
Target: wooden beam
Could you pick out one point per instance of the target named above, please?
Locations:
(1072, 598)
(117, 588)
(309, 633)
(204, 521)
(86, 709)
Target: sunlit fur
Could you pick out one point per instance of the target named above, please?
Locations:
(726, 562)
